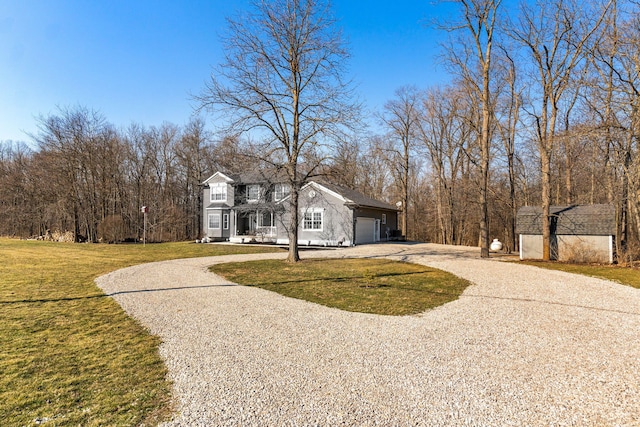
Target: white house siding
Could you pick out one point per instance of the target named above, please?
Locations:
(598, 248)
(337, 220)
(531, 246)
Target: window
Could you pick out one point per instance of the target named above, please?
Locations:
(225, 221)
(214, 221)
(265, 219)
(253, 193)
(384, 218)
(280, 191)
(218, 192)
(312, 220)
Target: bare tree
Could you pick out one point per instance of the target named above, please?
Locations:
(445, 130)
(78, 143)
(400, 116)
(19, 196)
(471, 58)
(507, 118)
(615, 101)
(192, 166)
(374, 176)
(282, 80)
(554, 36)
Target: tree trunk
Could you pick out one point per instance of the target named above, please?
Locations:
(293, 255)
(545, 169)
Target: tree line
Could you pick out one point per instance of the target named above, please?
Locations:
(89, 179)
(543, 108)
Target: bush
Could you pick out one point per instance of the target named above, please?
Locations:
(580, 253)
(112, 229)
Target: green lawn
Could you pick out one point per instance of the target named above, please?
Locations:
(360, 285)
(68, 354)
(629, 276)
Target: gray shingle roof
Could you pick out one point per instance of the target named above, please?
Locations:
(358, 198)
(590, 220)
(259, 177)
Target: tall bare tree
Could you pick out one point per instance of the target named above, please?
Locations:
(615, 100)
(507, 119)
(401, 117)
(283, 80)
(193, 165)
(554, 35)
(471, 58)
(445, 130)
(79, 143)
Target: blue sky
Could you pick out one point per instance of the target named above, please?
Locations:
(139, 60)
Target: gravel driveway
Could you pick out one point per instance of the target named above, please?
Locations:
(522, 347)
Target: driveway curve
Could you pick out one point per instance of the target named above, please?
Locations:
(522, 346)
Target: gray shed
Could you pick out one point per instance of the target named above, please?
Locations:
(578, 233)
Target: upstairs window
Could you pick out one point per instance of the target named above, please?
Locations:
(280, 191)
(253, 193)
(218, 192)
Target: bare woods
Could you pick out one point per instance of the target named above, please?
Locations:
(89, 179)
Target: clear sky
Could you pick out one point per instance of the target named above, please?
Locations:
(139, 60)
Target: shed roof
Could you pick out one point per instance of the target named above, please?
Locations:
(589, 220)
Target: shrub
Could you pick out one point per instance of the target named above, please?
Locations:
(112, 229)
(580, 253)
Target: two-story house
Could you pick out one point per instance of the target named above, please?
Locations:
(254, 207)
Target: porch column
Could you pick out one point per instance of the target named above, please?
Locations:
(235, 224)
(273, 227)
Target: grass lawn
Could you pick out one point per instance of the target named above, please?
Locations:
(360, 285)
(68, 354)
(629, 276)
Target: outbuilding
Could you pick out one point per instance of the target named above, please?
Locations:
(582, 233)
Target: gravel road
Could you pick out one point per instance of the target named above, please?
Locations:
(523, 346)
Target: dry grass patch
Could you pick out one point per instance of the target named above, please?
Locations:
(68, 354)
(360, 285)
(629, 276)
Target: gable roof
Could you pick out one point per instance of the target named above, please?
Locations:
(590, 220)
(355, 198)
(218, 174)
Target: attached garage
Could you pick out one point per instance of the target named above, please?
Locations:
(365, 230)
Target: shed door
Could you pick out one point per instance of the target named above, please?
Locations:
(365, 230)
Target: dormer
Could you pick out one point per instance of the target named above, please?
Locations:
(219, 189)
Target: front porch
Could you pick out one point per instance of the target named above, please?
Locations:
(254, 226)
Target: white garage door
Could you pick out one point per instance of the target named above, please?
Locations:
(365, 230)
